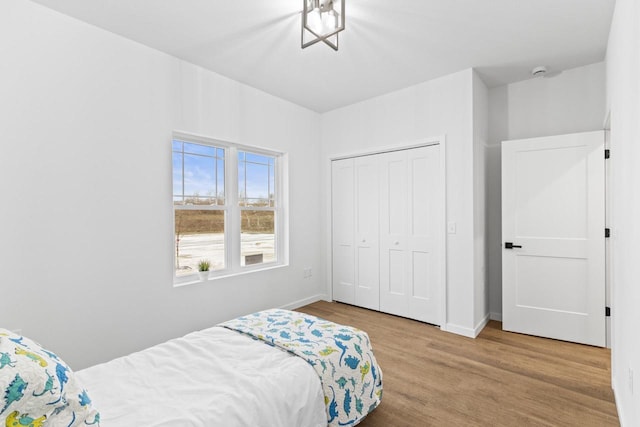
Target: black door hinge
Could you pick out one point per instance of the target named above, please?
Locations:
(607, 153)
(607, 232)
(607, 311)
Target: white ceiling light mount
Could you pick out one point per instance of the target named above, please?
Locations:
(322, 20)
(539, 71)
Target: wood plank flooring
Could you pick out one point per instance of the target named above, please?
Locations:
(435, 378)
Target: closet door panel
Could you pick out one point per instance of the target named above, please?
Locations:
(393, 231)
(422, 237)
(396, 193)
(395, 277)
(367, 289)
(421, 267)
(342, 225)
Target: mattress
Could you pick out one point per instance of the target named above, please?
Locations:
(213, 377)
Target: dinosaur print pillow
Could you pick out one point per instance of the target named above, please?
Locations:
(38, 389)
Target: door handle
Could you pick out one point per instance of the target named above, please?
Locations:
(509, 245)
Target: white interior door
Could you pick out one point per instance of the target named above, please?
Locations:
(553, 277)
(411, 219)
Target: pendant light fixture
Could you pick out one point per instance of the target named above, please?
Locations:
(322, 20)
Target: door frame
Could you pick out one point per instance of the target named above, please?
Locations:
(608, 279)
(425, 142)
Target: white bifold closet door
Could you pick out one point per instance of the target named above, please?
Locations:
(355, 231)
(342, 234)
(387, 219)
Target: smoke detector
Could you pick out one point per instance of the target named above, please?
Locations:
(539, 71)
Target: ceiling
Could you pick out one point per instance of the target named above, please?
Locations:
(386, 46)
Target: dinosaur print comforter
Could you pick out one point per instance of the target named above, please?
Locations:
(341, 356)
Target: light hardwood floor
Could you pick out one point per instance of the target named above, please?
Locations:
(434, 378)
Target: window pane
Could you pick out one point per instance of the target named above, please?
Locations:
(205, 150)
(272, 185)
(257, 238)
(220, 186)
(199, 234)
(199, 176)
(256, 179)
(257, 158)
(257, 182)
(242, 194)
(177, 175)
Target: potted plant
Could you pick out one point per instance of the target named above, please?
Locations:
(203, 269)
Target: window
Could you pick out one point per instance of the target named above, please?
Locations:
(228, 207)
(199, 206)
(256, 199)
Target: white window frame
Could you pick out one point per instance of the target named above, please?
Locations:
(232, 209)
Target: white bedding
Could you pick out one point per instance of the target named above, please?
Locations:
(209, 378)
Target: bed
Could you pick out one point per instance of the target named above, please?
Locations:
(271, 368)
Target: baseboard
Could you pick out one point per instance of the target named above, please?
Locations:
(495, 316)
(480, 326)
(618, 408)
(467, 332)
(300, 303)
(459, 330)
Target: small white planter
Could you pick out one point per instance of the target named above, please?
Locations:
(204, 275)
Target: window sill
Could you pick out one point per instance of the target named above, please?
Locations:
(194, 280)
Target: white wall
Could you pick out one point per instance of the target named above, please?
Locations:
(623, 101)
(572, 101)
(480, 138)
(438, 107)
(85, 175)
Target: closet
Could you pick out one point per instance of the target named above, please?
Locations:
(388, 232)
